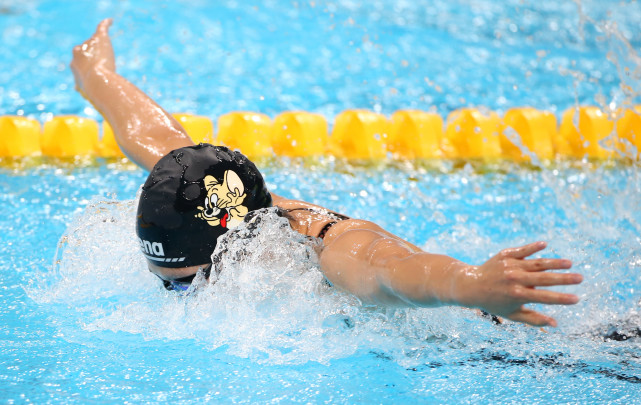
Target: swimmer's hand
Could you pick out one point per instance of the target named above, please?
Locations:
(507, 281)
(93, 54)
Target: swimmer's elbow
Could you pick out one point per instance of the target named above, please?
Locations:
(370, 292)
(368, 264)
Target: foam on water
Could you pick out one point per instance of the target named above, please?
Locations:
(270, 303)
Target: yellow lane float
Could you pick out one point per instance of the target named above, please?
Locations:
(248, 132)
(108, 147)
(471, 133)
(526, 132)
(200, 129)
(359, 134)
(629, 133)
(19, 136)
(520, 135)
(582, 132)
(298, 133)
(415, 134)
(67, 136)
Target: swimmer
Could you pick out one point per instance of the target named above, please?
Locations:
(195, 193)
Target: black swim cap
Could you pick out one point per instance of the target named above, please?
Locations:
(191, 197)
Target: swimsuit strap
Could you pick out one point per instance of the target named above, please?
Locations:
(323, 231)
(333, 215)
(320, 212)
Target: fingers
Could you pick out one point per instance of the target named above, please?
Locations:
(101, 30)
(545, 264)
(103, 27)
(524, 251)
(547, 297)
(549, 279)
(532, 318)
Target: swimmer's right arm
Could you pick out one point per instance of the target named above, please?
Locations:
(381, 268)
(144, 131)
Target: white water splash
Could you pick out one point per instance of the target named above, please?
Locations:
(269, 304)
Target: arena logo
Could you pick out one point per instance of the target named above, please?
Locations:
(155, 251)
(151, 248)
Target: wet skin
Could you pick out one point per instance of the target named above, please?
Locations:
(358, 256)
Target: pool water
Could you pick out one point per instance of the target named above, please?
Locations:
(97, 325)
(84, 321)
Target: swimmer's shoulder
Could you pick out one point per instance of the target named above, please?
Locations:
(288, 204)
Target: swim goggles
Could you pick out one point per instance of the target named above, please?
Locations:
(183, 283)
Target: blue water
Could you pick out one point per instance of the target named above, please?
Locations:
(270, 56)
(89, 323)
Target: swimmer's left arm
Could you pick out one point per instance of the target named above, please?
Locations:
(379, 267)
